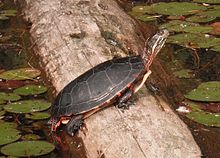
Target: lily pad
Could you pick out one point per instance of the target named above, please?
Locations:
(207, 1)
(200, 18)
(8, 133)
(28, 148)
(27, 106)
(9, 12)
(30, 137)
(206, 118)
(207, 91)
(38, 116)
(2, 101)
(31, 90)
(2, 113)
(216, 48)
(9, 96)
(184, 73)
(142, 10)
(183, 26)
(146, 18)
(194, 40)
(177, 8)
(20, 74)
(210, 13)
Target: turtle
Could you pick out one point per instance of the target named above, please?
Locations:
(111, 82)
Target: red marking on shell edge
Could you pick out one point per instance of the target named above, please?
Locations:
(119, 94)
(129, 85)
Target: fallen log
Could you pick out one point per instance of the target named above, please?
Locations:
(70, 37)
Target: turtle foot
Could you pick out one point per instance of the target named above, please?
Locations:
(74, 125)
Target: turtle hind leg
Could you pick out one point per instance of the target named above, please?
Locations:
(124, 102)
(74, 124)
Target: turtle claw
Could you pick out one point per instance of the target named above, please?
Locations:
(74, 125)
(125, 105)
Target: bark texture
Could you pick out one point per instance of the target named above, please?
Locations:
(70, 37)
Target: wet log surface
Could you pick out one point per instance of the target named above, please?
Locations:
(70, 37)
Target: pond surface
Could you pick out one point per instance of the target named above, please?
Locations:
(192, 59)
(23, 95)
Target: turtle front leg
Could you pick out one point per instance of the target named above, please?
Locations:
(74, 124)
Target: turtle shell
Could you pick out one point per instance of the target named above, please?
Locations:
(98, 85)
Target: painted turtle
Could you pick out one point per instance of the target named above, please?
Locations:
(112, 81)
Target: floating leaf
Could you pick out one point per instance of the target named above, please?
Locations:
(184, 73)
(30, 137)
(200, 18)
(146, 18)
(9, 12)
(3, 17)
(200, 116)
(194, 40)
(210, 13)
(9, 96)
(28, 148)
(207, 1)
(177, 8)
(142, 10)
(207, 91)
(27, 106)
(38, 116)
(31, 90)
(2, 113)
(183, 26)
(7, 125)
(2, 101)
(206, 118)
(216, 48)
(8, 133)
(20, 74)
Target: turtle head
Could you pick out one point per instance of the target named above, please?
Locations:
(153, 45)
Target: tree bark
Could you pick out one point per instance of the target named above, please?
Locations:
(71, 37)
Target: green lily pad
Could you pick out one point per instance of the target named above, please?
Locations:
(2, 101)
(215, 7)
(8, 133)
(31, 90)
(28, 148)
(207, 1)
(207, 91)
(146, 18)
(7, 125)
(216, 48)
(9, 96)
(3, 17)
(38, 116)
(195, 40)
(2, 113)
(201, 116)
(142, 10)
(184, 73)
(210, 13)
(206, 118)
(27, 106)
(30, 137)
(177, 8)
(183, 26)
(200, 18)
(9, 12)
(20, 74)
